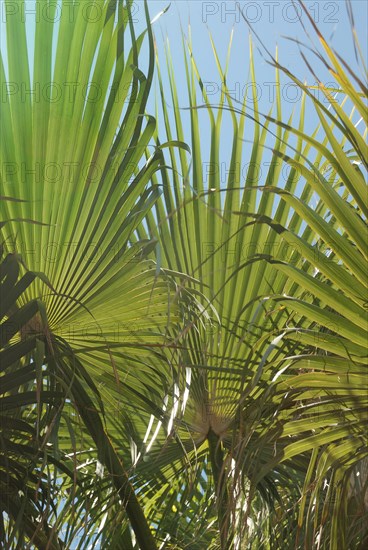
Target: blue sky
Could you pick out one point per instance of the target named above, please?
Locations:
(272, 20)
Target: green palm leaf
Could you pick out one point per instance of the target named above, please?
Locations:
(258, 404)
(74, 149)
(29, 398)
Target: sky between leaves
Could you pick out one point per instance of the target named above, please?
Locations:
(272, 20)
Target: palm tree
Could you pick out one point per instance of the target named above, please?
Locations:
(26, 411)
(205, 391)
(271, 434)
(76, 186)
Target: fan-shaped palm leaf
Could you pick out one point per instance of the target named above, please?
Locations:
(74, 151)
(260, 265)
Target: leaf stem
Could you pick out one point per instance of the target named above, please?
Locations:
(219, 476)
